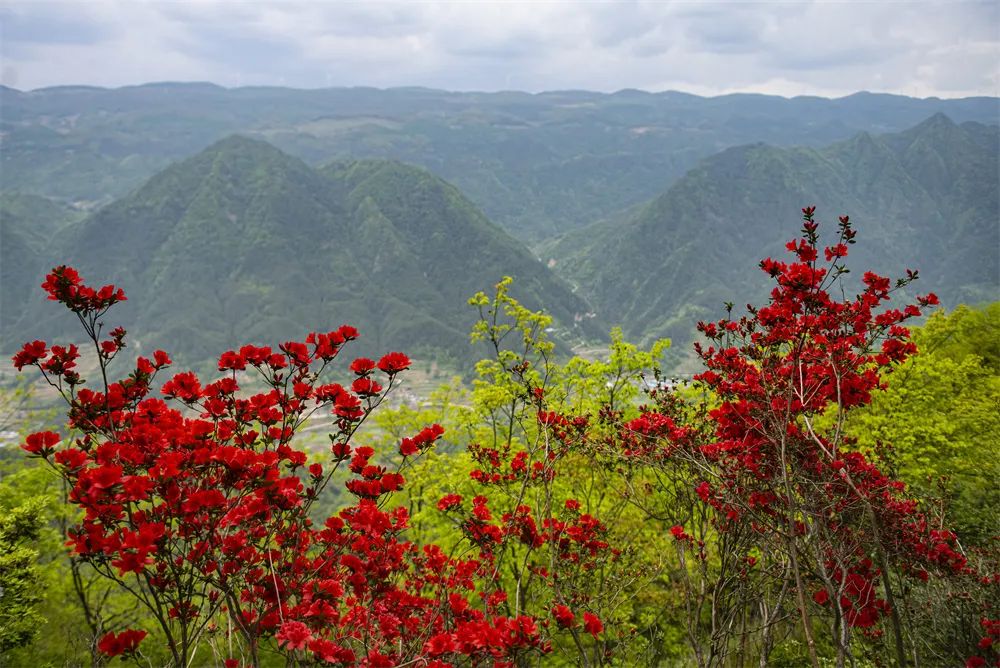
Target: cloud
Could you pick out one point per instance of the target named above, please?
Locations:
(825, 48)
(51, 24)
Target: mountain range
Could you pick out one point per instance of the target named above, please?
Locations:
(537, 164)
(244, 240)
(244, 243)
(926, 198)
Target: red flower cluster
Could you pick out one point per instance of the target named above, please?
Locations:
(858, 597)
(64, 285)
(201, 510)
(989, 645)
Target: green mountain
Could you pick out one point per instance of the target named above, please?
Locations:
(537, 164)
(243, 243)
(28, 224)
(925, 198)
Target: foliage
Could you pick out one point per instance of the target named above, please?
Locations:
(787, 514)
(204, 516)
(938, 415)
(19, 577)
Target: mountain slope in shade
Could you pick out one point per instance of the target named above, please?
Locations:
(425, 246)
(243, 243)
(925, 198)
(27, 226)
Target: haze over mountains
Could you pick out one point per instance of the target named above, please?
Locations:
(536, 164)
(646, 210)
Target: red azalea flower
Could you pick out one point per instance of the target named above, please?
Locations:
(41, 443)
(564, 616)
(362, 366)
(126, 642)
(449, 501)
(348, 333)
(365, 387)
(293, 635)
(392, 363)
(30, 353)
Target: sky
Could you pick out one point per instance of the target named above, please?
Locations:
(922, 49)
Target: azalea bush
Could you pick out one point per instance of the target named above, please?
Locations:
(200, 508)
(570, 522)
(789, 515)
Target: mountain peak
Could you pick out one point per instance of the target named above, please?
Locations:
(241, 159)
(938, 120)
(926, 196)
(863, 141)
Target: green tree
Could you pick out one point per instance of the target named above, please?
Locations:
(20, 579)
(940, 416)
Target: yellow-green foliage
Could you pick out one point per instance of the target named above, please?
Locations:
(635, 595)
(940, 418)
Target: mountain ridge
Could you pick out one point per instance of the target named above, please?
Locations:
(696, 246)
(243, 241)
(538, 164)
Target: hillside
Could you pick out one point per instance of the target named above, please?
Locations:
(926, 197)
(27, 226)
(537, 164)
(244, 243)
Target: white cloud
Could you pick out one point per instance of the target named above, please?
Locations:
(826, 48)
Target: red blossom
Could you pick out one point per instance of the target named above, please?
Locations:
(293, 635)
(347, 333)
(449, 501)
(564, 616)
(126, 642)
(365, 387)
(363, 366)
(41, 443)
(393, 363)
(64, 285)
(30, 353)
(592, 624)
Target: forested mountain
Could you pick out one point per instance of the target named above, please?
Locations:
(28, 224)
(925, 198)
(245, 243)
(537, 164)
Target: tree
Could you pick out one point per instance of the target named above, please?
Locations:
(200, 513)
(20, 579)
(811, 515)
(939, 415)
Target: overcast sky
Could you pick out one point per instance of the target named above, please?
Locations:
(945, 49)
